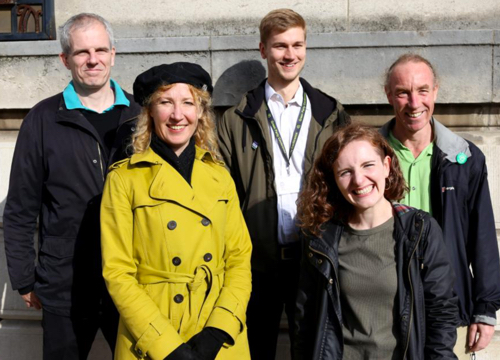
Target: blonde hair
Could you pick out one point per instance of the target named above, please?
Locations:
(205, 135)
(280, 20)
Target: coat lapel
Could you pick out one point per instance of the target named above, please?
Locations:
(167, 184)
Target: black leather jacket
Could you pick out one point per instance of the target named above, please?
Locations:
(427, 306)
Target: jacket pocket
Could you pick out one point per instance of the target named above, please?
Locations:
(58, 247)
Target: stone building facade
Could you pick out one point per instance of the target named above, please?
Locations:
(350, 44)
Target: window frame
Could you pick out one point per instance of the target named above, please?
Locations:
(47, 28)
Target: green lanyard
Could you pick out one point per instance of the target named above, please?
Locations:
(296, 132)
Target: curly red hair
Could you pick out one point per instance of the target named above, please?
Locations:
(321, 200)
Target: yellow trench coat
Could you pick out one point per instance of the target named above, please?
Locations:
(176, 258)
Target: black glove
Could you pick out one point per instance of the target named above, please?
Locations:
(208, 342)
(183, 352)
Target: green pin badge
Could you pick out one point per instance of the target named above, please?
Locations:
(461, 158)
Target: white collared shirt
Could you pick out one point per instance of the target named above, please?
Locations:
(288, 182)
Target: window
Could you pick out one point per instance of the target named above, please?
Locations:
(27, 20)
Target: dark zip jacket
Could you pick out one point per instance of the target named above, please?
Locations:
(247, 148)
(461, 204)
(426, 305)
(57, 176)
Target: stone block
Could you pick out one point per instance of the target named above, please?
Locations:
(7, 144)
(496, 69)
(234, 73)
(489, 143)
(21, 339)
(128, 66)
(423, 15)
(134, 19)
(26, 80)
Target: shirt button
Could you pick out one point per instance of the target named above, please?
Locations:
(205, 222)
(172, 225)
(178, 298)
(176, 261)
(94, 161)
(207, 257)
(413, 187)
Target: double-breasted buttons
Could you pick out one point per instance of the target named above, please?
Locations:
(205, 222)
(171, 225)
(178, 298)
(176, 261)
(207, 257)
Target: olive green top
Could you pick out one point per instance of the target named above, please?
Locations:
(368, 290)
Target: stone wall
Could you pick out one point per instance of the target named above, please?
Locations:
(350, 44)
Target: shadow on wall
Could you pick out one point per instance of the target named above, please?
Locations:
(236, 81)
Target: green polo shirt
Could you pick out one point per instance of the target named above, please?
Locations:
(417, 173)
(72, 101)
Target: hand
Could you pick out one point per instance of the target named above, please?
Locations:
(208, 342)
(480, 336)
(183, 352)
(32, 300)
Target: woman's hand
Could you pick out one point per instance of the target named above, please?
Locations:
(208, 342)
(183, 352)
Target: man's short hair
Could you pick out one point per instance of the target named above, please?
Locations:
(404, 59)
(81, 21)
(280, 20)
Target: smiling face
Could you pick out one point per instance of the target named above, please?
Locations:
(175, 117)
(285, 54)
(91, 57)
(412, 92)
(360, 172)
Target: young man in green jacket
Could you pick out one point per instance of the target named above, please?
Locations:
(269, 142)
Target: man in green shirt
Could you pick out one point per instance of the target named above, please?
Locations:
(447, 176)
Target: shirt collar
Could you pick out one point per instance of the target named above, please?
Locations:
(297, 99)
(403, 150)
(72, 101)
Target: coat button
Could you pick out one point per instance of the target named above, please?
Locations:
(310, 255)
(207, 257)
(94, 161)
(171, 225)
(205, 222)
(320, 261)
(178, 298)
(330, 281)
(176, 261)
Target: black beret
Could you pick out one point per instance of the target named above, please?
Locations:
(180, 72)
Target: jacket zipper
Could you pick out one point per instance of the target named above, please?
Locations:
(100, 160)
(411, 289)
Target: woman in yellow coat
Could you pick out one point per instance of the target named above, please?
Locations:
(176, 250)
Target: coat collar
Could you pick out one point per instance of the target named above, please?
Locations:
(322, 105)
(446, 140)
(167, 184)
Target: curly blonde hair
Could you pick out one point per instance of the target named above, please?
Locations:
(205, 135)
(321, 199)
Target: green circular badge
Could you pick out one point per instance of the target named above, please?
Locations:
(461, 158)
